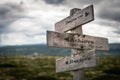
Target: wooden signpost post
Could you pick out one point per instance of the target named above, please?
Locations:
(83, 46)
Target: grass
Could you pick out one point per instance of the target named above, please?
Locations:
(108, 69)
(43, 68)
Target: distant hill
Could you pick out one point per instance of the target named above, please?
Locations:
(45, 50)
(30, 49)
(114, 48)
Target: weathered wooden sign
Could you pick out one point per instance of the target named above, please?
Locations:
(87, 59)
(79, 18)
(83, 46)
(76, 41)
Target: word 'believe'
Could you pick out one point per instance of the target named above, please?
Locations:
(77, 60)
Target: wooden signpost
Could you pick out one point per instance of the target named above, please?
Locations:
(78, 18)
(76, 41)
(83, 46)
(70, 63)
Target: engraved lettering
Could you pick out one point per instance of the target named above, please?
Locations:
(80, 60)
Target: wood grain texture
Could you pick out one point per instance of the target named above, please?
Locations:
(76, 41)
(79, 61)
(78, 18)
(80, 73)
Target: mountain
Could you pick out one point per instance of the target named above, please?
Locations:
(114, 49)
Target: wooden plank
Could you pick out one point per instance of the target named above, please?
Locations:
(99, 43)
(79, 18)
(78, 74)
(86, 59)
(76, 41)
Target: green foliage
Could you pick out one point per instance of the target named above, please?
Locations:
(26, 68)
(108, 69)
(43, 68)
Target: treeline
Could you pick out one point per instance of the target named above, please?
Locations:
(31, 49)
(45, 50)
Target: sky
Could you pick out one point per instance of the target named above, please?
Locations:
(26, 21)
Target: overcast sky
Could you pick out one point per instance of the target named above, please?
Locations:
(26, 21)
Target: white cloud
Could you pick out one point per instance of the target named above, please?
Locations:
(40, 17)
(20, 38)
(101, 31)
(32, 29)
(9, 1)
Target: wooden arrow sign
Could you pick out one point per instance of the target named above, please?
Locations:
(79, 18)
(86, 59)
(77, 41)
